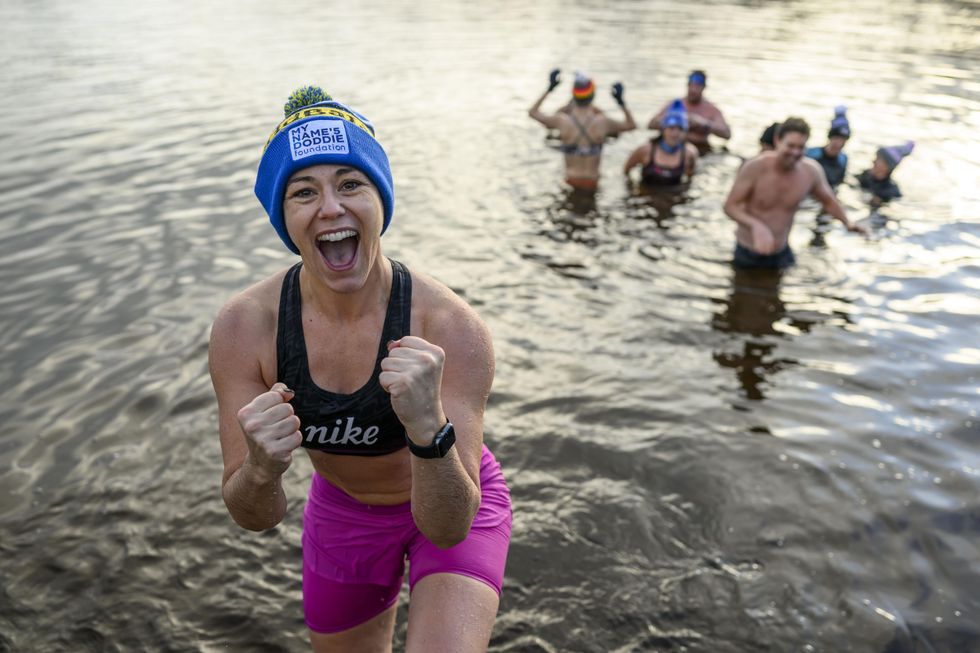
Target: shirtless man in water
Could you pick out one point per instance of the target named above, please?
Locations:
(582, 129)
(704, 117)
(766, 194)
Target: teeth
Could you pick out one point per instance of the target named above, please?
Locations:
(337, 236)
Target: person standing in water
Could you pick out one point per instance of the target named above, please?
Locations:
(667, 159)
(878, 178)
(582, 129)
(381, 374)
(704, 117)
(831, 156)
(768, 191)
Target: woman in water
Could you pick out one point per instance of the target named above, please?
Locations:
(382, 374)
(668, 159)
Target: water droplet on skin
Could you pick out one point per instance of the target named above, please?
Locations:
(876, 443)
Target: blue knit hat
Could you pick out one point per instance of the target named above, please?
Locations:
(839, 125)
(319, 130)
(676, 116)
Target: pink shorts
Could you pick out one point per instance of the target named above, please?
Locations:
(354, 554)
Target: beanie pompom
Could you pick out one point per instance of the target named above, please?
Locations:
(303, 97)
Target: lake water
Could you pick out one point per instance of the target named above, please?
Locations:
(699, 460)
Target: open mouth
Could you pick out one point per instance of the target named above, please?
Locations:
(338, 248)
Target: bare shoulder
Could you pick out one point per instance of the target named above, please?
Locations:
(755, 166)
(444, 317)
(644, 148)
(812, 172)
(246, 325)
(812, 167)
(254, 304)
(691, 150)
(445, 320)
(712, 107)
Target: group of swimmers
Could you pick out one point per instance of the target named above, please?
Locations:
(767, 190)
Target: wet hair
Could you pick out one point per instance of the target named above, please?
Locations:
(583, 102)
(793, 124)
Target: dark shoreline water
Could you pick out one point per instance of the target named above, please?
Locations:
(700, 460)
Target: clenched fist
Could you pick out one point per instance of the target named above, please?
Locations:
(271, 430)
(412, 375)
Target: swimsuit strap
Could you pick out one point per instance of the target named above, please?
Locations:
(593, 146)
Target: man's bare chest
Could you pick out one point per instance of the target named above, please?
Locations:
(779, 193)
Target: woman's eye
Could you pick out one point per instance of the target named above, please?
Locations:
(350, 184)
(303, 193)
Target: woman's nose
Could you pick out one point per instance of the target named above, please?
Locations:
(330, 206)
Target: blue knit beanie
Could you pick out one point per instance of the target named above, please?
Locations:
(319, 130)
(839, 126)
(676, 116)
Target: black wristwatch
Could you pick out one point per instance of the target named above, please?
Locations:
(441, 444)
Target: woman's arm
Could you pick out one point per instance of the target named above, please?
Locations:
(258, 429)
(691, 159)
(449, 370)
(549, 121)
(639, 156)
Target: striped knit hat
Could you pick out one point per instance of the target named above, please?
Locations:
(584, 89)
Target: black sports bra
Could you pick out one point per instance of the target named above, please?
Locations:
(362, 423)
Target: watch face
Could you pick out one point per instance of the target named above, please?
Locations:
(441, 443)
(445, 439)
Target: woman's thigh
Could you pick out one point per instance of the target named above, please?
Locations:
(449, 613)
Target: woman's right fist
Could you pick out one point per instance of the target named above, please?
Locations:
(272, 431)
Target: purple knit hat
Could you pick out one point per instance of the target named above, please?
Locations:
(894, 154)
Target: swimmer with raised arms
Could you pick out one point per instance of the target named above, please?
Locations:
(582, 129)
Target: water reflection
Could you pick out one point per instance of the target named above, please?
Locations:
(646, 201)
(754, 308)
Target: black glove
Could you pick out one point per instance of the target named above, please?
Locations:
(617, 93)
(553, 79)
